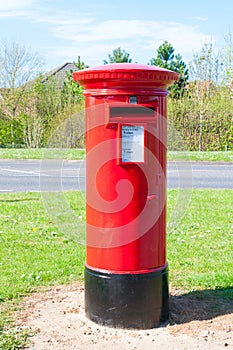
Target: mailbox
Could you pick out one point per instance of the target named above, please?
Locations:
(126, 272)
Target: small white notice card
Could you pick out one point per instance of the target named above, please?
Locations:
(132, 149)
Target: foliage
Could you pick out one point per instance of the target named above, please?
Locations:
(203, 116)
(203, 129)
(5, 133)
(80, 64)
(206, 66)
(228, 58)
(72, 92)
(53, 106)
(32, 111)
(200, 110)
(68, 129)
(18, 66)
(166, 59)
(118, 56)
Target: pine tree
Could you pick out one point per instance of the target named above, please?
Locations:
(118, 56)
(166, 59)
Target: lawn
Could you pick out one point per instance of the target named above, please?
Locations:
(74, 153)
(41, 153)
(35, 253)
(200, 247)
(202, 156)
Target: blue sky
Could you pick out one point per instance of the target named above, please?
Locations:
(63, 30)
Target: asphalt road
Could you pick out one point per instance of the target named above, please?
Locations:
(58, 175)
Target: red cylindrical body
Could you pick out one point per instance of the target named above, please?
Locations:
(125, 167)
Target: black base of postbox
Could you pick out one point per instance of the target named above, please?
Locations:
(138, 301)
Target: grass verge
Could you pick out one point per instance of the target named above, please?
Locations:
(41, 153)
(73, 153)
(35, 253)
(200, 248)
(202, 156)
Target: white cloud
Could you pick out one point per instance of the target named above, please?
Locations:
(89, 31)
(14, 5)
(201, 19)
(92, 39)
(16, 8)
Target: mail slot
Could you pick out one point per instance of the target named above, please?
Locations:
(126, 271)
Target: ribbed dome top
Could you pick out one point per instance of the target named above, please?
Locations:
(125, 75)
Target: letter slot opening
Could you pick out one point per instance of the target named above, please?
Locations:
(132, 112)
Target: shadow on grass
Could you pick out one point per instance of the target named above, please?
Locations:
(201, 305)
(18, 200)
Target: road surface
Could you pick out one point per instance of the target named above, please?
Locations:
(59, 175)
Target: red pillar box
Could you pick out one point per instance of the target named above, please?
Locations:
(126, 273)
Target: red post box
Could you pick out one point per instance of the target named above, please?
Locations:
(126, 272)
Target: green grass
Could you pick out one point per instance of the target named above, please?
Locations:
(41, 153)
(202, 156)
(73, 153)
(200, 249)
(11, 338)
(35, 253)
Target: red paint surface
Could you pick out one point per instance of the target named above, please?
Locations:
(125, 203)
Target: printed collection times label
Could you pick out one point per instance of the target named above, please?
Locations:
(132, 148)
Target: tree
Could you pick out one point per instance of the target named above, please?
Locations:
(204, 114)
(205, 71)
(228, 62)
(118, 56)
(73, 92)
(18, 65)
(206, 67)
(166, 59)
(30, 106)
(80, 64)
(67, 117)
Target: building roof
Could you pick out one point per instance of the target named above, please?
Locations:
(60, 73)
